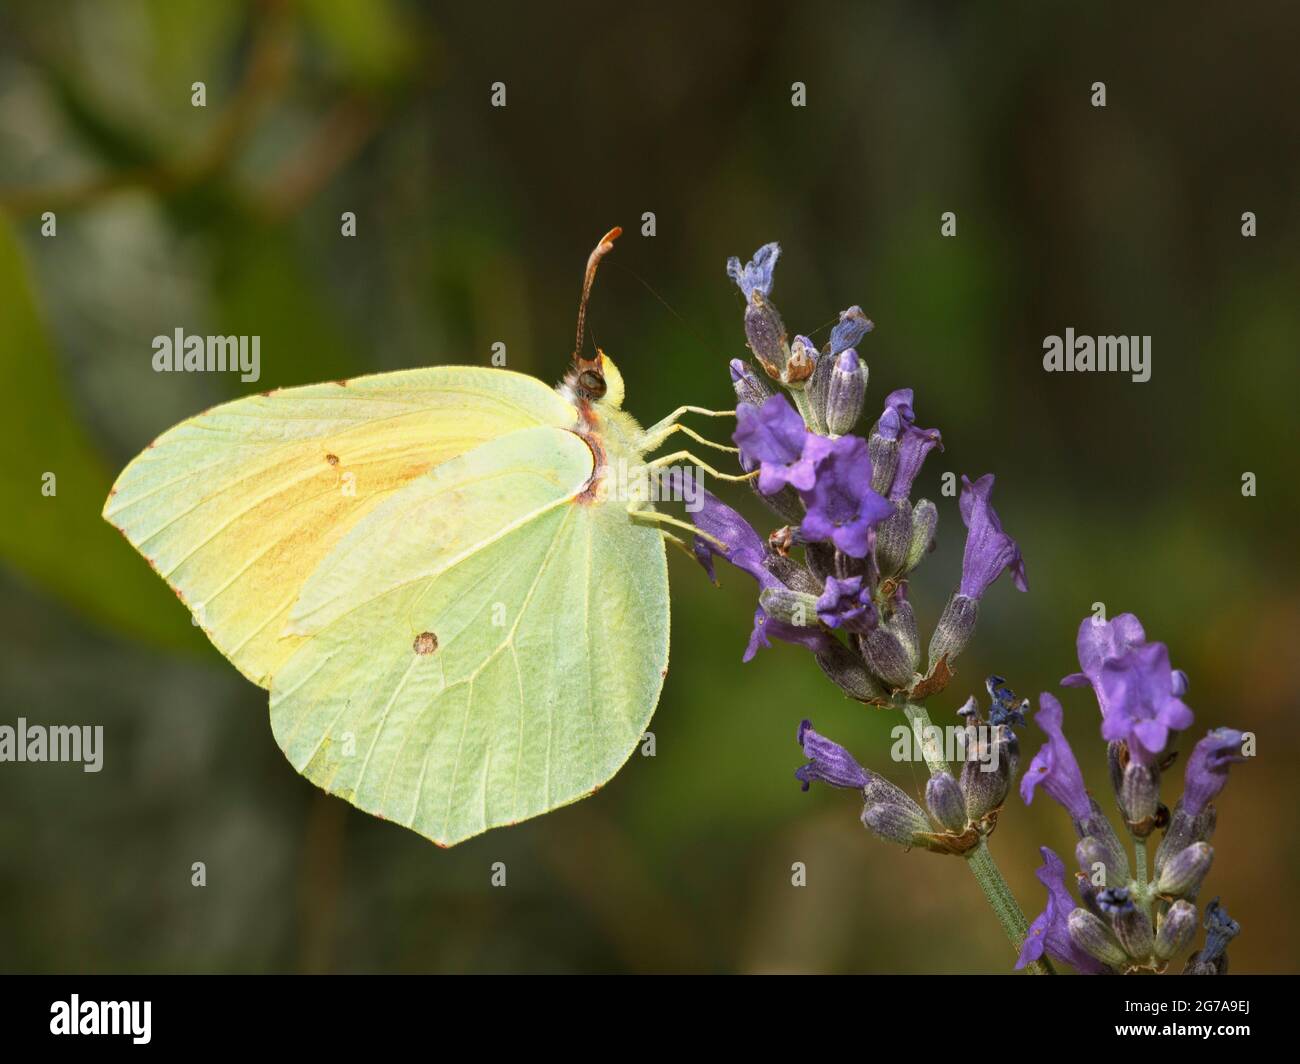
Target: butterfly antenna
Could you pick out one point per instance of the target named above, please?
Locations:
(593, 260)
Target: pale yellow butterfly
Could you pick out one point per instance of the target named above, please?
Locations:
(460, 623)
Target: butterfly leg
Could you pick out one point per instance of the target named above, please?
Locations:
(668, 459)
(679, 543)
(661, 430)
(688, 431)
(635, 510)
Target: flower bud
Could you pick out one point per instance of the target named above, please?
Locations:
(902, 622)
(1088, 892)
(1092, 936)
(791, 573)
(883, 452)
(1139, 795)
(793, 607)
(894, 540)
(1182, 874)
(887, 657)
(1131, 925)
(765, 332)
(990, 767)
(924, 517)
(1135, 933)
(845, 392)
(1111, 852)
(749, 386)
(955, 627)
(846, 671)
(1177, 930)
(818, 386)
(1183, 830)
(899, 820)
(947, 805)
(1091, 855)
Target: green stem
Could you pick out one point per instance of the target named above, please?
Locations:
(985, 869)
(803, 403)
(979, 860)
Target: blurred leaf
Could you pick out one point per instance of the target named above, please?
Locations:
(371, 41)
(60, 541)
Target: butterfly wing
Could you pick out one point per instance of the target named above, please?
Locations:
(236, 507)
(486, 645)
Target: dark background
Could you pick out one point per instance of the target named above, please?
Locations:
(474, 224)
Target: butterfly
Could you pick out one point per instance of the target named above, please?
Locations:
(460, 621)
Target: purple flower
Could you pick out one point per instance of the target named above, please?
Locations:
(1138, 701)
(745, 549)
(847, 604)
(989, 550)
(913, 444)
(1140, 695)
(1207, 767)
(1050, 932)
(852, 327)
(756, 275)
(842, 508)
(828, 761)
(1099, 642)
(897, 413)
(774, 436)
(811, 637)
(1054, 765)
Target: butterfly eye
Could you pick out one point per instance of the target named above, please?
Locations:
(591, 383)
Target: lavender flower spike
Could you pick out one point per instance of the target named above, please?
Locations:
(1207, 767)
(756, 275)
(1050, 932)
(828, 761)
(1054, 766)
(774, 436)
(989, 550)
(842, 508)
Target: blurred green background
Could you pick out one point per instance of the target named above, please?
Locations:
(473, 227)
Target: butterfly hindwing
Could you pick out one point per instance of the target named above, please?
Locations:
(483, 647)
